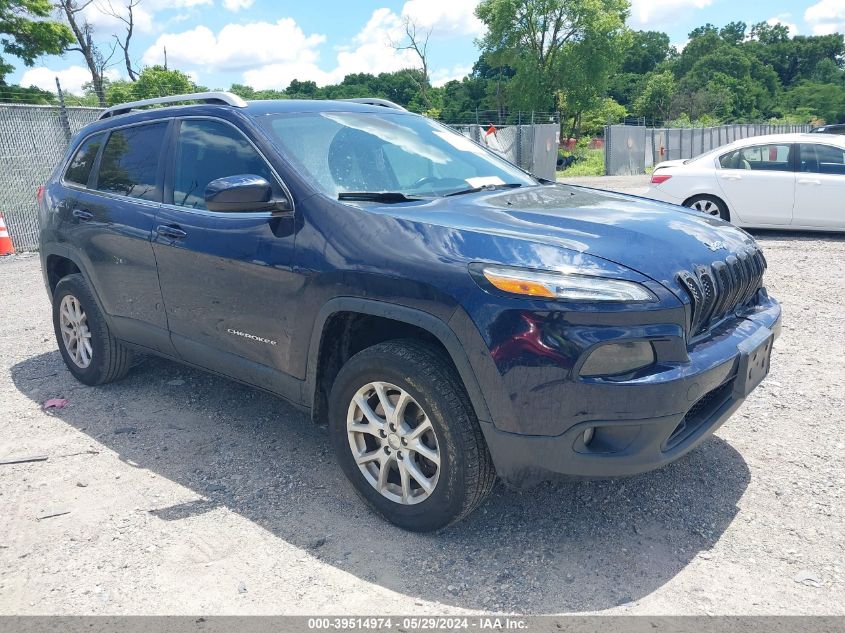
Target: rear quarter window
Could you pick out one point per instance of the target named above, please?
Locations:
(79, 168)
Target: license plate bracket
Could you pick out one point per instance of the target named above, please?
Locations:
(754, 361)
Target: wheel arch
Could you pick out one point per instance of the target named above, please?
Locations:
(58, 262)
(326, 353)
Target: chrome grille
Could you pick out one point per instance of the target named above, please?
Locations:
(722, 287)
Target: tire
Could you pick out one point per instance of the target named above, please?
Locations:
(710, 205)
(465, 474)
(107, 358)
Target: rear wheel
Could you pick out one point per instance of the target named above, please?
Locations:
(89, 350)
(406, 436)
(711, 205)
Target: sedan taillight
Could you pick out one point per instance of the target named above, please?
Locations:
(657, 179)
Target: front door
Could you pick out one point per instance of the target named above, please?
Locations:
(820, 189)
(226, 277)
(759, 183)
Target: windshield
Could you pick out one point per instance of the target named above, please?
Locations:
(390, 152)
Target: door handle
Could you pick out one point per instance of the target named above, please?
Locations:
(731, 177)
(173, 232)
(83, 215)
(808, 181)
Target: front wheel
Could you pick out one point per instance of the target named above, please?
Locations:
(710, 205)
(406, 436)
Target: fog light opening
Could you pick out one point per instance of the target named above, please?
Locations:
(617, 359)
(588, 435)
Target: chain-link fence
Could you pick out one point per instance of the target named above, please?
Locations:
(630, 150)
(33, 140)
(532, 147)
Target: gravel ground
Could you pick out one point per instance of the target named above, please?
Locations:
(635, 185)
(185, 494)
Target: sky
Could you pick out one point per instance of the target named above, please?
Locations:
(266, 43)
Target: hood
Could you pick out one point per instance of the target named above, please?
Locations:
(652, 238)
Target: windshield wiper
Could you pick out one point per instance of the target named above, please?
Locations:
(388, 197)
(511, 185)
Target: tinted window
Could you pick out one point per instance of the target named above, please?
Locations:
(130, 161)
(208, 150)
(822, 159)
(80, 166)
(775, 157)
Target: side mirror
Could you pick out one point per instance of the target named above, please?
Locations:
(245, 192)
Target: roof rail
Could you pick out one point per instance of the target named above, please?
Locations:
(220, 98)
(374, 101)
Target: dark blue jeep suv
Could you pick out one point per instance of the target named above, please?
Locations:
(450, 317)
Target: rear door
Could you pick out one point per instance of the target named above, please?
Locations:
(759, 183)
(820, 187)
(226, 276)
(111, 228)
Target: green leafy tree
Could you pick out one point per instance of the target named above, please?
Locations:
(553, 46)
(27, 32)
(824, 101)
(645, 51)
(153, 81)
(655, 100)
(607, 112)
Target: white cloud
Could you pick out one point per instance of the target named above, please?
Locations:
(373, 50)
(827, 16)
(270, 55)
(237, 5)
(444, 17)
(236, 47)
(72, 78)
(443, 76)
(651, 13)
(783, 19)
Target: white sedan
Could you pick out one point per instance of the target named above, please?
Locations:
(784, 181)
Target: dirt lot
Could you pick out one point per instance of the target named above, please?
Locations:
(189, 494)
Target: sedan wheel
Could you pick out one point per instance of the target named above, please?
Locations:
(706, 206)
(709, 205)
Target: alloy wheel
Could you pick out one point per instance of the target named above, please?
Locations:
(706, 206)
(76, 336)
(393, 443)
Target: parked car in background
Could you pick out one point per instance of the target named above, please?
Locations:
(837, 128)
(448, 316)
(787, 181)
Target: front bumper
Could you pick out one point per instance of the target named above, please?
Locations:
(620, 447)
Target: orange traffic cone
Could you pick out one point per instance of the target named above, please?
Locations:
(6, 246)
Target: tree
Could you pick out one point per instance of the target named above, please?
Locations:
(27, 33)
(655, 100)
(733, 33)
(418, 44)
(83, 32)
(544, 41)
(152, 81)
(825, 101)
(607, 112)
(128, 20)
(646, 50)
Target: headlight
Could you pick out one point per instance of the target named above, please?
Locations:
(567, 286)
